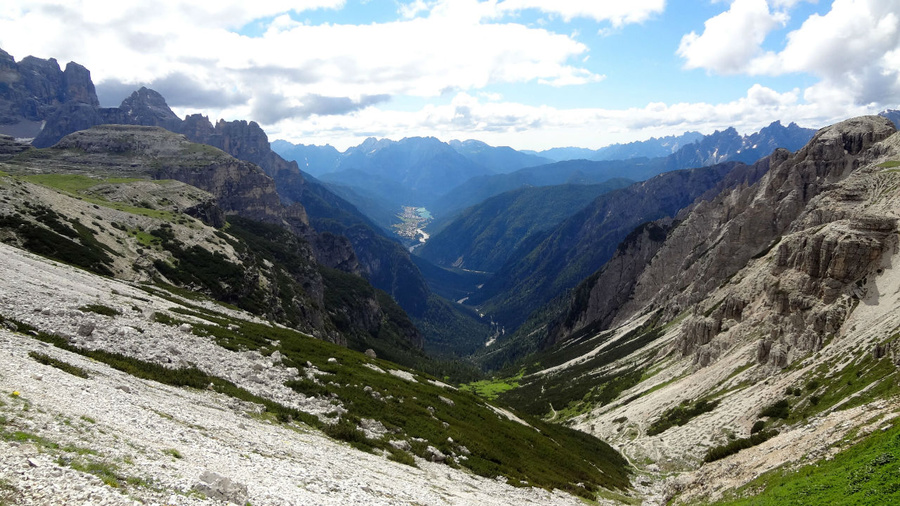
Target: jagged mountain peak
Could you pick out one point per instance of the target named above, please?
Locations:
(148, 107)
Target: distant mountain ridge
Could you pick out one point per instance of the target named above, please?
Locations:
(653, 147)
(381, 175)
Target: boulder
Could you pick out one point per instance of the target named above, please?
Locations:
(216, 486)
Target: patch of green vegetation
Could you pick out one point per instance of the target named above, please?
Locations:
(889, 164)
(864, 473)
(144, 238)
(107, 472)
(780, 409)
(165, 216)
(59, 245)
(578, 388)
(173, 453)
(100, 309)
(27, 437)
(59, 364)
(680, 415)
(74, 183)
(854, 384)
(734, 446)
(401, 457)
(491, 388)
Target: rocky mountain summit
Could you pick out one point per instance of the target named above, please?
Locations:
(718, 237)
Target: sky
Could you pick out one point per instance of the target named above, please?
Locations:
(530, 74)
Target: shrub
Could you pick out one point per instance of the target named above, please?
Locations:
(680, 415)
(758, 426)
(100, 309)
(732, 447)
(781, 409)
(59, 364)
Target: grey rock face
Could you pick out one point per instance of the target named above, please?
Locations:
(824, 244)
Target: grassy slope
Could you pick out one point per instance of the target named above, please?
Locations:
(864, 473)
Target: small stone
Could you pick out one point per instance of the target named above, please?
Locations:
(446, 401)
(123, 388)
(371, 353)
(185, 327)
(436, 455)
(86, 329)
(400, 444)
(332, 360)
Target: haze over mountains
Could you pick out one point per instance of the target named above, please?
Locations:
(716, 316)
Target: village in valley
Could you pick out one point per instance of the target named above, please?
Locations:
(412, 224)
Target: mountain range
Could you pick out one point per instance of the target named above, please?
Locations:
(376, 176)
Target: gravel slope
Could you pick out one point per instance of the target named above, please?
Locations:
(156, 444)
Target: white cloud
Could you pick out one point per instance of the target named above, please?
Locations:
(853, 48)
(617, 13)
(732, 38)
(537, 127)
(411, 10)
(452, 48)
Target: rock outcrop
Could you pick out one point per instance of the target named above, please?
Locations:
(802, 224)
(32, 89)
(793, 213)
